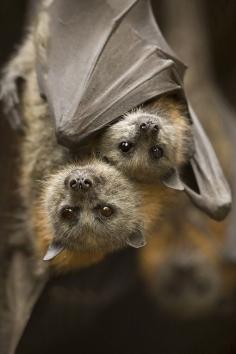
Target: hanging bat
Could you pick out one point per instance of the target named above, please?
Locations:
(86, 92)
(101, 92)
(77, 209)
(73, 209)
(70, 200)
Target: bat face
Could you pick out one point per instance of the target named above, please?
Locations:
(147, 145)
(88, 206)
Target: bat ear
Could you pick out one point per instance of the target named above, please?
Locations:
(210, 191)
(172, 180)
(53, 250)
(10, 88)
(136, 239)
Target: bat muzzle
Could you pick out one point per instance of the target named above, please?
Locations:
(79, 181)
(148, 128)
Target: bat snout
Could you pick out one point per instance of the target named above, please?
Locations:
(148, 127)
(79, 181)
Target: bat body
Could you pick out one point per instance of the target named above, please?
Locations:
(70, 199)
(53, 183)
(41, 157)
(72, 91)
(41, 142)
(66, 197)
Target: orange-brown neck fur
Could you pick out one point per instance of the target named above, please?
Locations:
(66, 261)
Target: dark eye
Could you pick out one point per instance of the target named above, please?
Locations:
(125, 146)
(69, 213)
(106, 211)
(156, 152)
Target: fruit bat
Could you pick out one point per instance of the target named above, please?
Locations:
(107, 57)
(102, 59)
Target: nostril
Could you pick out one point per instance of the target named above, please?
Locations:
(73, 183)
(77, 182)
(87, 183)
(143, 127)
(156, 128)
(84, 184)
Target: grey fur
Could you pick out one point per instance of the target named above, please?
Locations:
(175, 140)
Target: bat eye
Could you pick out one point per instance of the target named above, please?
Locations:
(106, 211)
(156, 152)
(69, 213)
(125, 146)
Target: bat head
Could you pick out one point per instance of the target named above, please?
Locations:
(148, 145)
(92, 207)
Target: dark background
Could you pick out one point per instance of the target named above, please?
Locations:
(54, 326)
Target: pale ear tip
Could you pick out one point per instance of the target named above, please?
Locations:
(141, 245)
(137, 245)
(52, 252)
(173, 180)
(144, 244)
(46, 258)
(179, 187)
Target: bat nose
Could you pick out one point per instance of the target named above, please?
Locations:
(149, 127)
(76, 182)
(80, 183)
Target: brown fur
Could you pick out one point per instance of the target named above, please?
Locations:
(68, 260)
(178, 116)
(155, 199)
(151, 208)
